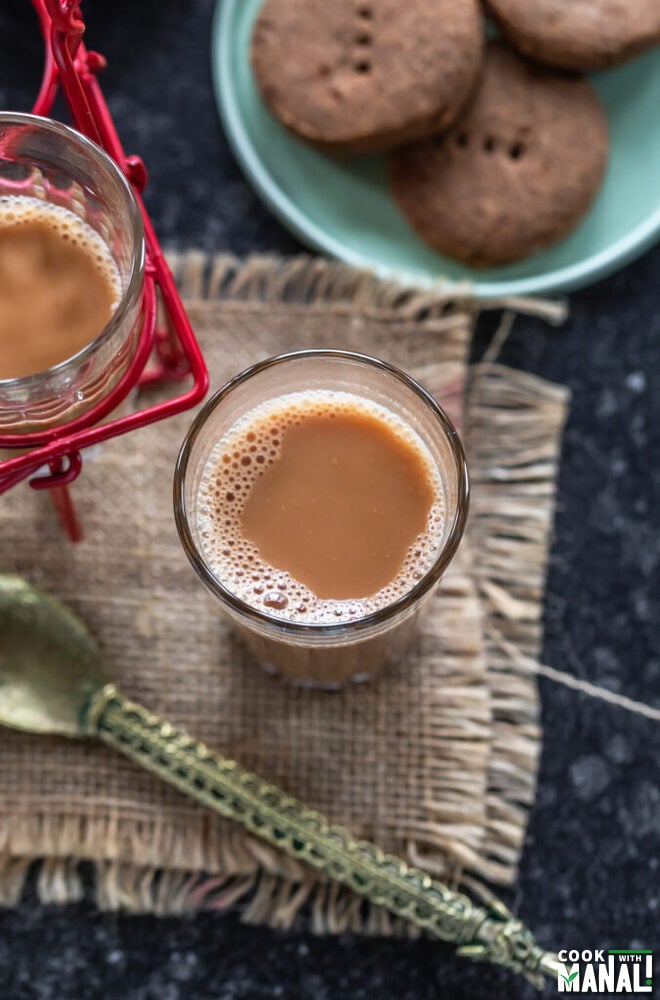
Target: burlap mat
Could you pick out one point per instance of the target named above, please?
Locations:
(436, 760)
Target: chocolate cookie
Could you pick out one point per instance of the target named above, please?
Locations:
(579, 34)
(515, 173)
(363, 76)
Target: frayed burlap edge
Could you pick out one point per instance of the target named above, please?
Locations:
(510, 542)
(513, 437)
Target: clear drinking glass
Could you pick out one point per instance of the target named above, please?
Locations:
(43, 159)
(323, 655)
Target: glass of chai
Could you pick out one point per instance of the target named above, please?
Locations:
(71, 274)
(320, 496)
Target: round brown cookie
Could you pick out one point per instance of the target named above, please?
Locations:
(363, 76)
(514, 174)
(579, 34)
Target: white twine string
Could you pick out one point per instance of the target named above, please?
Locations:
(576, 683)
(594, 691)
(553, 311)
(500, 337)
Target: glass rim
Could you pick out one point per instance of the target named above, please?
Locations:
(374, 618)
(136, 277)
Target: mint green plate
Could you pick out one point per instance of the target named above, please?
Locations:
(343, 207)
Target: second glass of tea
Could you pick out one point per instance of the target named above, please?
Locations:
(72, 255)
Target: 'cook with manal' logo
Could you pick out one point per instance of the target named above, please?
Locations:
(600, 971)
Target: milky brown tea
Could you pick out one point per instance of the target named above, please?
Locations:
(320, 508)
(59, 285)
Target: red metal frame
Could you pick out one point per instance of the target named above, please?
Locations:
(175, 354)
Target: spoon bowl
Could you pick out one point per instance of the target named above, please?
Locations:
(49, 662)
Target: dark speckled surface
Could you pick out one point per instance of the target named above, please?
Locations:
(589, 875)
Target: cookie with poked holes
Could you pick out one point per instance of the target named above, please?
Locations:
(364, 76)
(515, 173)
(579, 34)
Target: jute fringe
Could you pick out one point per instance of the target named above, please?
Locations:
(513, 436)
(474, 828)
(300, 281)
(304, 281)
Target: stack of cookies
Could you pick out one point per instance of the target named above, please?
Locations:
(495, 150)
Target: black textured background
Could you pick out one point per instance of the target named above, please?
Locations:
(589, 874)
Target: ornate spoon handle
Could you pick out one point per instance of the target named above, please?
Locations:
(485, 933)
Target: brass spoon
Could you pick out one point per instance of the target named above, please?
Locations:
(51, 681)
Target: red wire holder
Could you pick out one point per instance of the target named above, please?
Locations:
(70, 68)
